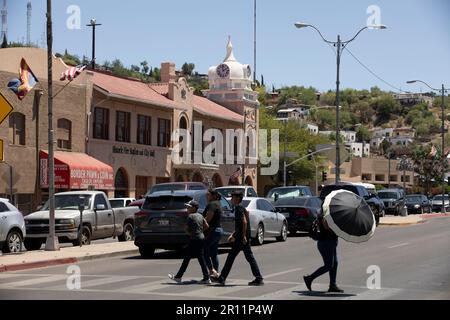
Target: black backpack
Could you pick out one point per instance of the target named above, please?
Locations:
(314, 231)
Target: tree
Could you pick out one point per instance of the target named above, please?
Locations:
(363, 134)
(145, 67)
(187, 68)
(5, 42)
(301, 94)
(135, 68)
(385, 106)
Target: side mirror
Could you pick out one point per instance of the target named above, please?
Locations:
(276, 196)
(100, 207)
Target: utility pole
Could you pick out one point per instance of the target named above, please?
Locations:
(254, 44)
(244, 145)
(52, 241)
(284, 157)
(93, 24)
(338, 156)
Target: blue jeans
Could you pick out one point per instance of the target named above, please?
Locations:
(327, 249)
(237, 247)
(211, 246)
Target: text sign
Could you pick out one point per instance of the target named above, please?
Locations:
(5, 108)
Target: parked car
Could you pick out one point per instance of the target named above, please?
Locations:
(120, 202)
(12, 227)
(265, 221)
(394, 200)
(177, 186)
(99, 220)
(418, 203)
(436, 203)
(300, 212)
(288, 192)
(375, 205)
(161, 220)
(247, 191)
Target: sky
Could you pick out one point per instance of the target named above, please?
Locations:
(416, 44)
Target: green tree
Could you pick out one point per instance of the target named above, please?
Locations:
(187, 68)
(301, 94)
(363, 134)
(385, 105)
(145, 67)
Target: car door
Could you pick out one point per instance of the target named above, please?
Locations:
(251, 193)
(3, 221)
(103, 217)
(267, 217)
(227, 218)
(275, 217)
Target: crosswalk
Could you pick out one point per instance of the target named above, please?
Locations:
(161, 287)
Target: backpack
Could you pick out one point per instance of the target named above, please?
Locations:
(314, 231)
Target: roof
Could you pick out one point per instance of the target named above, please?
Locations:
(210, 108)
(132, 89)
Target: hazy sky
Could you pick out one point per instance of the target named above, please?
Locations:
(415, 45)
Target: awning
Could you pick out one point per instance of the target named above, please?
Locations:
(74, 170)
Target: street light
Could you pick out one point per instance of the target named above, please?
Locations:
(443, 90)
(93, 24)
(340, 46)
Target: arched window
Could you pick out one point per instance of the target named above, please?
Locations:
(17, 128)
(121, 184)
(64, 134)
(182, 125)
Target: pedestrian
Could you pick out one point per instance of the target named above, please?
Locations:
(327, 244)
(241, 241)
(212, 214)
(195, 226)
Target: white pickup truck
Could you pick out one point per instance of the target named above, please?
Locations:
(99, 220)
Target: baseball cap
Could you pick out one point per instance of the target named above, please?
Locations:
(192, 204)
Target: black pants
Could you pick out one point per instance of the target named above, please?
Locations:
(195, 249)
(327, 249)
(236, 248)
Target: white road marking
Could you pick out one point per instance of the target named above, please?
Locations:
(399, 245)
(95, 282)
(34, 281)
(281, 273)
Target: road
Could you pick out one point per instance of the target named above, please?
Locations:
(413, 260)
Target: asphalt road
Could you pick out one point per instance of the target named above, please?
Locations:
(414, 263)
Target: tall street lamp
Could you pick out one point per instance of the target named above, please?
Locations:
(443, 90)
(93, 24)
(340, 46)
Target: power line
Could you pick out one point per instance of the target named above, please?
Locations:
(373, 73)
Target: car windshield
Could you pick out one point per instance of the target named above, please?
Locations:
(328, 189)
(388, 195)
(116, 203)
(167, 187)
(166, 202)
(226, 192)
(245, 203)
(286, 193)
(68, 202)
(413, 199)
(440, 197)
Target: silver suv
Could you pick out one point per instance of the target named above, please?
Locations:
(12, 227)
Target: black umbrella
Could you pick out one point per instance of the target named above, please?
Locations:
(349, 216)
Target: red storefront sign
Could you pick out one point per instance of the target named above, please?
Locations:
(74, 170)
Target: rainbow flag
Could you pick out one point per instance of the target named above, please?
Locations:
(27, 80)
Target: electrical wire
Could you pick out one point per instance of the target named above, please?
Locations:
(373, 73)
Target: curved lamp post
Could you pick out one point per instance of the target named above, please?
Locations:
(442, 91)
(340, 46)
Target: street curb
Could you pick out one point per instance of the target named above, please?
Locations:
(401, 223)
(56, 262)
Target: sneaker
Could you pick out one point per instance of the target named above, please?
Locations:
(256, 282)
(220, 282)
(308, 282)
(214, 279)
(204, 281)
(172, 277)
(335, 288)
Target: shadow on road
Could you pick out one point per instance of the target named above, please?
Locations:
(298, 235)
(323, 294)
(170, 254)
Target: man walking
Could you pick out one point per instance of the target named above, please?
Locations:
(213, 214)
(195, 225)
(241, 241)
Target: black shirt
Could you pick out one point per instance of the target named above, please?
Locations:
(325, 234)
(239, 213)
(213, 206)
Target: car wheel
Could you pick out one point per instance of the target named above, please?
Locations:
(13, 242)
(146, 251)
(283, 233)
(33, 244)
(85, 238)
(259, 240)
(128, 233)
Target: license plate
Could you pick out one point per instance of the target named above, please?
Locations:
(164, 222)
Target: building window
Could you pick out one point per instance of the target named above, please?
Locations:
(144, 132)
(407, 179)
(379, 177)
(366, 176)
(64, 134)
(163, 133)
(122, 126)
(101, 123)
(17, 128)
(394, 178)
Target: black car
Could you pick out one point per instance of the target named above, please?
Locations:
(418, 203)
(300, 212)
(394, 200)
(371, 199)
(160, 222)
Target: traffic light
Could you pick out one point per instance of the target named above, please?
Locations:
(324, 176)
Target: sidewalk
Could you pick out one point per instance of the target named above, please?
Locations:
(400, 221)
(41, 258)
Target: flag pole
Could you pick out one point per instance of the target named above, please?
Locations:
(51, 243)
